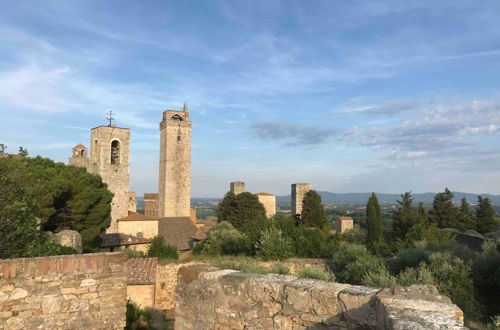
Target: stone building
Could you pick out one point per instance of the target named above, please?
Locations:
(109, 158)
(141, 281)
(299, 190)
(269, 202)
(151, 204)
(132, 202)
(237, 187)
(343, 224)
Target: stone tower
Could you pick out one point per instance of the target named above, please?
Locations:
(175, 164)
(110, 158)
(79, 156)
(237, 187)
(299, 190)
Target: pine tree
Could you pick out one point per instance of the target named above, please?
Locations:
(444, 213)
(465, 217)
(404, 216)
(422, 216)
(485, 216)
(374, 220)
(313, 213)
(243, 211)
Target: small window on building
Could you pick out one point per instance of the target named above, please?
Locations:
(115, 152)
(178, 138)
(176, 117)
(81, 153)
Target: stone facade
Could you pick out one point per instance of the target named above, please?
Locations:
(343, 224)
(151, 204)
(139, 228)
(70, 238)
(210, 298)
(299, 190)
(269, 202)
(132, 202)
(109, 158)
(64, 292)
(237, 187)
(175, 164)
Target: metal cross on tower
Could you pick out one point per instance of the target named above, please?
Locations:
(110, 118)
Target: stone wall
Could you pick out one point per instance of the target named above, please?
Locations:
(237, 187)
(269, 202)
(64, 292)
(148, 228)
(210, 298)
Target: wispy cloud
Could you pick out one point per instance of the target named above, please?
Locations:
(293, 134)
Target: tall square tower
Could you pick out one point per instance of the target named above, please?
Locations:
(110, 158)
(175, 164)
(299, 191)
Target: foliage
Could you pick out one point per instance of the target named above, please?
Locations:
(133, 253)
(313, 213)
(420, 275)
(224, 239)
(486, 275)
(378, 278)
(374, 220)
(137, 318)
(279, 268)
(465, 217)
(19, 233)
(242, 211)
(317, 273)
(23, 152)
(404, 216)
(273, 245)
(444, 213)
(352, 261)
(485, 215)
(158, 249)
(355, 235)
(314, 243)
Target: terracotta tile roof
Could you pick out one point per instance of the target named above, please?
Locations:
(142, 270)
(151, 196)
(178, 232)
(116, 239)
(263, 194)
(134, 216)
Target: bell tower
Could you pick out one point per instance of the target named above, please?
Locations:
(175, 164)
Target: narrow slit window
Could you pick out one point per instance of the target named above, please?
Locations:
(115, 152)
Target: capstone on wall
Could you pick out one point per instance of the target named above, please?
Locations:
(109, 157)
(269, 202)
(299, 190)
(64, 292)
(175, 164)
(210, 298)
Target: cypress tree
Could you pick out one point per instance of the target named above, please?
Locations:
(404, 216)
(374, 220)
(485, 216)
(444, 213)
(313, 213)
(465, 217)
(422, 216)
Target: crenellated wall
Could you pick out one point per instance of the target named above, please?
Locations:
(86, 291)
(210, 298)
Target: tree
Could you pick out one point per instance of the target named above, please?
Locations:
(485, 215)
(19, 234)
(2, 149)
(23, 152)
(404, 216)
(465, 218)
(444, 213)
(422, 216)
(313, 213)
(374, 220)
(66, 197)
(160, 250)
(243, 211)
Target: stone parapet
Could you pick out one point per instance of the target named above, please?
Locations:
(211, 298)
(64, 292)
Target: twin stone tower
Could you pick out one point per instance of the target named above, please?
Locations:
(110, 158)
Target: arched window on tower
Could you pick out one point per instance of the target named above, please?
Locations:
(115, 152)
(82, 153)
(176, 117)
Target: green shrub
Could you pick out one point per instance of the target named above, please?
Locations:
(486, 275)
(420, 275)
(314, 243)
(160, 250)
(273, 245)
(379, 278)
(279, 268)
(352, 261)
(317, 273)
(224, 239)
(137, 318)
(355, 235)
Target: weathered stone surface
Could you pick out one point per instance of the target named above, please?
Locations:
(209, 298)
(46, 293)
(70, 238)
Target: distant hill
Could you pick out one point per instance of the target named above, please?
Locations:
(355, 198)
(362, 198)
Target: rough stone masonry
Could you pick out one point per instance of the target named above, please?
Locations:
(210, 298)
(64, 292)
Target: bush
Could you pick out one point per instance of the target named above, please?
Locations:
(160, 250)
(279, 268)
(355, 235)
(379, 278)
(420, 275)
(272, 245)
(317, 273)
(314, 243)
(137, 318)
(224, 239)
(486, 274)
(133, 253)
(352, 261)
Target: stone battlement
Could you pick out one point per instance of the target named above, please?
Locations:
(210, 298)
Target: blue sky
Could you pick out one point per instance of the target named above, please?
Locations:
(351, 96)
